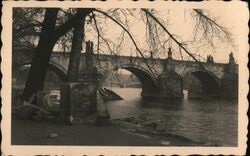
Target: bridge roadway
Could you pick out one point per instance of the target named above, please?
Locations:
(106, 64)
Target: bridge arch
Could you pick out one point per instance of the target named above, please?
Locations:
(55, 68)
(145, 77)
(62, 75)
(209, 82)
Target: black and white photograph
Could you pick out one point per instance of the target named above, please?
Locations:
(124, 76)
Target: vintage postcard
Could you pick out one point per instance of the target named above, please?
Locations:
(124, 78)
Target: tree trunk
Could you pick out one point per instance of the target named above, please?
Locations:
(48, 37)
(41, 58)
(75, 56)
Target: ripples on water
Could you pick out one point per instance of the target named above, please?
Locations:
(212, 122)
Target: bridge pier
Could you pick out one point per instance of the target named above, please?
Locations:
(170, 84)
(149, 89)
(229, 82)
(229, 87)
(80, 99)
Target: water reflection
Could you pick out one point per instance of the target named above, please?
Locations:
(211, 121)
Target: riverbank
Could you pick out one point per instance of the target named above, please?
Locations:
(117, 133)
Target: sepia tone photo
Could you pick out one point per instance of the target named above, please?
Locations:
(124, 77)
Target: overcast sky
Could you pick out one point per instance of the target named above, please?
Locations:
(178, 22)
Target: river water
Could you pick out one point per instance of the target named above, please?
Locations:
(212, 122)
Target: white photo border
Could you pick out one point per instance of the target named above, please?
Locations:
(6, 52)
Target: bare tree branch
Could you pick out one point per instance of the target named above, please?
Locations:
(104, 39)
(71, 22)
(210, 28)
(177, 42)
(137, 48)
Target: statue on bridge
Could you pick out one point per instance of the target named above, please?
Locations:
(169, 53)
(210, 59)
(151, 55)
(231, 58)
(231, 68)
(90, 53)
(169, 65)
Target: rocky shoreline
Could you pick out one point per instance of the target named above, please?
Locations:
(137, 126)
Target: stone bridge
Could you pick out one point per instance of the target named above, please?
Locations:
(217, 79)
